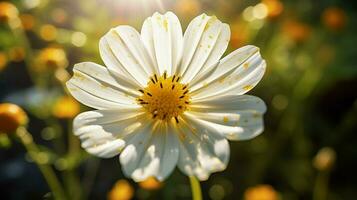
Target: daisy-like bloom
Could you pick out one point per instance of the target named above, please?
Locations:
(166, 98)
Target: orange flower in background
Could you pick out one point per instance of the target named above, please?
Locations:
(66, 107)
(17, 54)
(51, 58)
(325, 159)
(334, 18)
(59, 16)
(188, 8)
(122, 190)
(261, 192)
(8, 12)
(296, 31)
(3, 61)
(239, 35)
(151, 184)
(28, 21)
(275, 8)
(11, 117)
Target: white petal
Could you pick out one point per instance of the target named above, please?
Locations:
(202, 151)
(237, 117)
(229, 103)
(212, 44)
(114, 66)
(153, 153)
(104, 132)
(191, 40)
(124, 53)
(242, 125)
(236, 74)
(95, 87)
(162, 36)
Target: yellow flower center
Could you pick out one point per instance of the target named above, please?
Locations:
(165, 97)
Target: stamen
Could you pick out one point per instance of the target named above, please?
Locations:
(152, 80)
(164, 97)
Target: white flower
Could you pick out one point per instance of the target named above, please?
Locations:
(166, 98)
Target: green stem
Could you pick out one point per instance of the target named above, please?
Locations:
(196, 188)
(321, 186)
(46, 170)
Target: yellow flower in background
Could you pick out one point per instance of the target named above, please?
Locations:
(325, 159)
(8, 12)
(17, 54)
(334, 18)
(11, 117)
(296, 31)
(122, 190)
(51, 58)
(48, 32)
(151, 184)
(66, 107)
(3, 61)
(261, 192)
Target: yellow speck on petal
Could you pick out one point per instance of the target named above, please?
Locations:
(257, 115)
(221, 80)
(210, 22)
(246, 65)
(247, 87)
(166, 25)
(225, 119)
(78, 75)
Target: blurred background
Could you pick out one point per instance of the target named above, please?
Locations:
(307, 151)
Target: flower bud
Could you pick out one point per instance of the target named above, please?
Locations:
(334, 18)
(11, 117)
(324, 159)
(261, 192)
(66, 107)
(151, 184)
(122, 190)
(51, 59)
